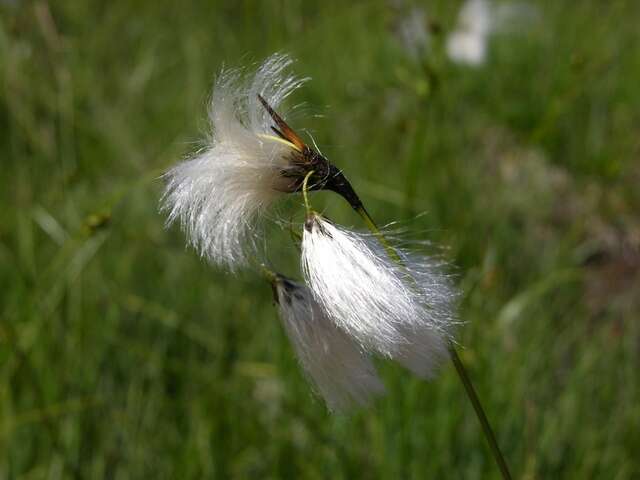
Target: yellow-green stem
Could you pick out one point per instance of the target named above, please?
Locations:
(305, 193)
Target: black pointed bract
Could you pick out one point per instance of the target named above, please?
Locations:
(326, 176)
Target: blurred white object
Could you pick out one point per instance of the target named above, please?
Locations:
(467, 48)
(467, 44)
(476, 17)
(478, 20)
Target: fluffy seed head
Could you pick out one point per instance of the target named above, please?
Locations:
(401, 309)
(341, 372)
(219, 193)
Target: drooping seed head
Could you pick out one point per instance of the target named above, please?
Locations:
(402, 309)
(336, 365)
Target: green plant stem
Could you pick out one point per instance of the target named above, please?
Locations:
(482, 417)
(305, 192)
(373, 228)
(460, 369)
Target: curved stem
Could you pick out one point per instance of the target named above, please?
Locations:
(460, 369)
(482, 417)
(305, 191)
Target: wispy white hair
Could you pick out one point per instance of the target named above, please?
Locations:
(339, 369)
(219, 193)
(401, 308)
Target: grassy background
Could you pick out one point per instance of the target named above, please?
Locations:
(122, 355)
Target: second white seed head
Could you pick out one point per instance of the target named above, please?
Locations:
(401, 308)
(334, 362)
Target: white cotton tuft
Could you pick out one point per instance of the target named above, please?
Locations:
(467, 44)
(402, 310)
(341, 372)
(218, 194)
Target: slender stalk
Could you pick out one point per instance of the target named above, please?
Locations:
(373, 228)
(482, 417)
(460, 369)
(305, 193)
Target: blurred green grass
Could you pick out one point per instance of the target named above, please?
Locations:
(122, 355)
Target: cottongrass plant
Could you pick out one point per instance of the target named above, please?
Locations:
(362, 297)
